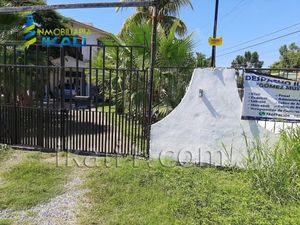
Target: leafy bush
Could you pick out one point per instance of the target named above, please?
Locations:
(276, 171)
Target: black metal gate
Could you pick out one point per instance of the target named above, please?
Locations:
(56, 99)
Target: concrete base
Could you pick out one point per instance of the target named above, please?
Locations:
(203, 129)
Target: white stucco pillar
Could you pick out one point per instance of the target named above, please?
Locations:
(201, 128)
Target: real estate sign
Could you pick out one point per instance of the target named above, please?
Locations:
(51, 37)
(270, 98)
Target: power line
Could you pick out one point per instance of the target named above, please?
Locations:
(240, 3)
(274, 50)
(260, 37)
(237, 11)
(260, 43)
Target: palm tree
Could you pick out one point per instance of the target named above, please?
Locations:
(168, 14)
(171, 52)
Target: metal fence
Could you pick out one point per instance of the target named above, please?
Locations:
(54, 99)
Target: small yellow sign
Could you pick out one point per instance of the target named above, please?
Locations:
(215, 41)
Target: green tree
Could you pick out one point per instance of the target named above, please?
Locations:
(249, 60)
(289, 57)
(169, 84)
(11, 24)
(202, 61)
(168, 14)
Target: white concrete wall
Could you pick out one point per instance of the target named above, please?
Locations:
(90, 40)
(199, 127)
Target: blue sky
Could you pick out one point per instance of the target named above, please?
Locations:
(239, 21)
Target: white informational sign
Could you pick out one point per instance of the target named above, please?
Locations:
(270, 98)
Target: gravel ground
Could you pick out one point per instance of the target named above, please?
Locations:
(61, 210)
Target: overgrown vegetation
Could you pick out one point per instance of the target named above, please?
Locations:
(157, 194)
(276, 171)
(30, 182)
(5, 222)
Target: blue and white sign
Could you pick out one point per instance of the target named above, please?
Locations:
(270, 98)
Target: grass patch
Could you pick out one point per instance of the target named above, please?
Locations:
(30, 182)
(276, 170)
(5, 222)
(4, 152)
(159, 195)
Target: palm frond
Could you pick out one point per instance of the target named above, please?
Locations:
(168, 13)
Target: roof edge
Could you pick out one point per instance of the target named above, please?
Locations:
(88, 26)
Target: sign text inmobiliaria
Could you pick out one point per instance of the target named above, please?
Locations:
(58, 37)
(270, 98)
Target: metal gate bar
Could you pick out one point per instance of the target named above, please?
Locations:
(79, 109)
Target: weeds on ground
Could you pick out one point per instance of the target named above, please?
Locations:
(276, 170)
(166, 194)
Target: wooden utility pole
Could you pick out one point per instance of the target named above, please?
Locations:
(214, 48)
